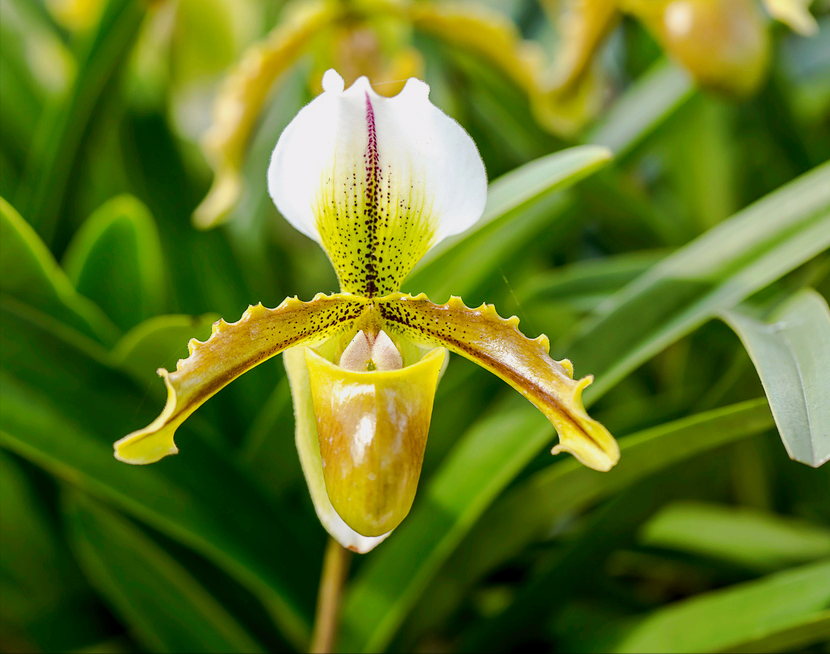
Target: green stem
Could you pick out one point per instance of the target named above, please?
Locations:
(335, 569)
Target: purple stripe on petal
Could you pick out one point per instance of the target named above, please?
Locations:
(372, 164)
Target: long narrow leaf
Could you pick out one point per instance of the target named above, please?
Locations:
(757, 540)
(389, 585)
(30, 274)
(166, 607)
(510, 199)
(206, 502)
(609, 528)
(782, 612)
(529, 511)
(711, 274)
(649, 101)
(61, 127)
(586, 283)
(115, 260)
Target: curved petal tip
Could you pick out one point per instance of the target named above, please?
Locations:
(333, 82)
(415, 87)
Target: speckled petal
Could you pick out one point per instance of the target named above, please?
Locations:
(496, 344)
(231, 350)
(377, 181)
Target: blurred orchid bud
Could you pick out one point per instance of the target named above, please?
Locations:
(723, 43)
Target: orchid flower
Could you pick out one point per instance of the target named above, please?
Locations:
(376, 182)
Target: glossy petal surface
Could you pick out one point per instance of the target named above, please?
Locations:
(372, 429)
(308, 447)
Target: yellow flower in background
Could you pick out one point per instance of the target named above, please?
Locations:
(377, 182)
(359, 37)
(76, 14)
(724, 44)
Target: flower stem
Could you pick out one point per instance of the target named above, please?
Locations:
(335, 569)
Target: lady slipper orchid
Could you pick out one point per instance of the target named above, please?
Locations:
(376, 181)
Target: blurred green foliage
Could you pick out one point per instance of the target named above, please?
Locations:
(713, 215)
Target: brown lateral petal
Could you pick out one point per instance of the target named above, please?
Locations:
(497, 345)
(232, 349)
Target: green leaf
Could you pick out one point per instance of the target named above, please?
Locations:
(166, 608)
(782, 612)
(585, 284)
(60, 131)
(20, 106)
(30, 556)
(158, 342)
(652, 98)
(713, 273)
(754, 539)
(791, 352)
(528, 511)
(527, 184)
(206, 504)
(35, 64)
(115, 260)
(475, 471)
(204, 501)
(706, 163)
(480, 466)
(46, 602)
(577, 555)
(30, 274)
(519, 205)
(533, 506)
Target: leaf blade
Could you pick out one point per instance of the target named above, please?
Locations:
(711, 274)
(116, 261)
(791, 352)
(742, 616)
(757, 540)
(167, 607)
(30, 274)
(512, 199)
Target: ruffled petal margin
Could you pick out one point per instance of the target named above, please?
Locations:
(496, 344)
(231, 350)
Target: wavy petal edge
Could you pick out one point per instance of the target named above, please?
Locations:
(228, 353)
(496, 344)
